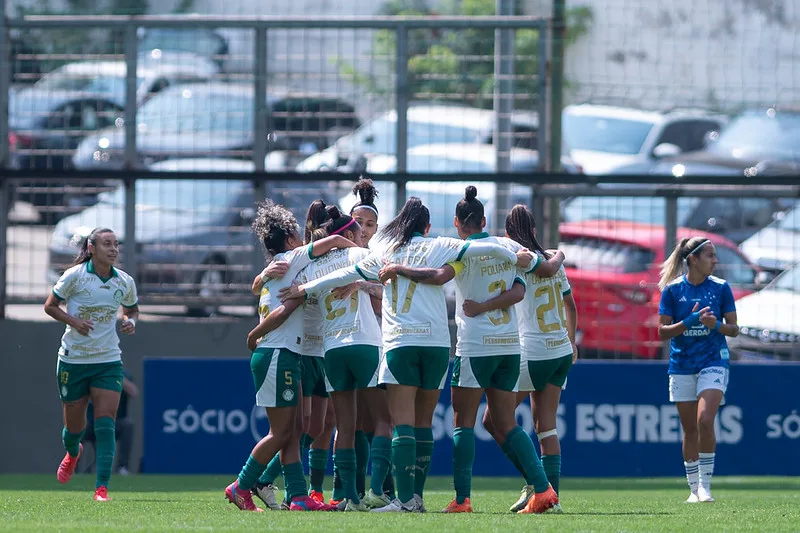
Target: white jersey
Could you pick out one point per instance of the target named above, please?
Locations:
(344, 322)
(312, 328)
(480, 279)
(89, 297)
(414, 314)
(290, 334)
(542, 320)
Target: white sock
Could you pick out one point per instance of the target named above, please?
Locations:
(706, 469)
(692, 474)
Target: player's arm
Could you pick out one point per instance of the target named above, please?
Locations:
(571, 314)
(274, 270)
(272, 321)
(129, 317)
(549, 267)
(335, 279)
(323, 246)
(729, 328)
(52, 306)
(668, 330)
(429, 276)
(504, 300)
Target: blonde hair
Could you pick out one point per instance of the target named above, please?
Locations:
(673, 266)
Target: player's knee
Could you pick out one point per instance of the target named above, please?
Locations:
(705, 423)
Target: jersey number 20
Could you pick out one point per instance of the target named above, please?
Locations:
(554, 298)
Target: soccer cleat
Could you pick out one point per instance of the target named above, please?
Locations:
(704, 495)
(241, 498)
(556, 509)
(692, 498)
(420, 504)
(317, 495)
(374, 501)
(540, 502)
(101, 494)
(266, 493)
(67, 466)
(306, 503)
(455, 507)
(525, 495)
(334, 503)
(411, 506)
(352, 506)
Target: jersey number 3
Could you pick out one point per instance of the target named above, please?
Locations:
(505, 316)
(554, 298)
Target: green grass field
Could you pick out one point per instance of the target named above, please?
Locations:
(196, 503)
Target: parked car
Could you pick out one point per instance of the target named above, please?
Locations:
(734, 218)
(777, 246)
(215, 120)
(601, 138)
(769, 321)
(427, 124)
(613, 268)
(154, 43)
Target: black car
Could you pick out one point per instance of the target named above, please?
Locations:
(216, 120)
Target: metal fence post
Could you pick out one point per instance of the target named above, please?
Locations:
(503, 107)
(131, 66)
(130, 228)
(401, 106)
(5, 187)
(261, 113)
(670, 236)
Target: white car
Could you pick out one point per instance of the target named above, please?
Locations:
(600, 138)
(769, 321)
(776, 247)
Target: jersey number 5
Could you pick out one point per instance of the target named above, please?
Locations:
(505, 317)
(407, 300)
(332, 313)
(554, 298)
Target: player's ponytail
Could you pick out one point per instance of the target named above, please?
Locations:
(315, 217)
(337, 222)
(521, 227)
(84, 255)
(673, 266)
(469, 210)
(413, 218)
(366, 192)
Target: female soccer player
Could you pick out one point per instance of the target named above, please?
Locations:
(547, 324)
(275, 363)
(417, 352)
(89, 359)
(692, 308)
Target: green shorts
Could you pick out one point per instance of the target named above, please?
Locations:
(75, 380)
(416, 366)
(499, 372)
(535, 375)
(276, 374)
(352, 367)
(312, 376)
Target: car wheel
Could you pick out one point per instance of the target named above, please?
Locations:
(210, 284)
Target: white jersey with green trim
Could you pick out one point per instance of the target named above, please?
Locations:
(89, 297)
(312, 328)
(290, 334)
(343, 322)
(542, 319)
(480, 279)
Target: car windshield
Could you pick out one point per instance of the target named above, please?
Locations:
(602, 134)
(768, 135)
(790, 221)
(178, 195)
(635, 209)
(108, 86)
(788, 281)
(181, 40)
(187, 110)
(378, 136)
(600, 255)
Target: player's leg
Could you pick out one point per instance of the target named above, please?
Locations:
(711, 385)
(683, 392)
(344, 453)
(319, 451)
(74, 392)
(105, 388)
(381, 449)
(362, 444)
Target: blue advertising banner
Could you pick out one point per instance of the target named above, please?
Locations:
(614, 420)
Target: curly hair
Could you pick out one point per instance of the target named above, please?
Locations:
(272, 225)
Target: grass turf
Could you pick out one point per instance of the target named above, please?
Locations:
(196, 503)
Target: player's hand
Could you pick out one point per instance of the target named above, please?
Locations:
(558, 254)
(708, 319)
(388, 273)
(277, 269)
(83, 327)
(252, 342)
(341, 293)
(694, 319)
(524, 258)
(291, 292)
(472, 308)
(127, 327)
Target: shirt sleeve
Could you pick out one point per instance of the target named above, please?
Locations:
(130, 298)
(458, 266)
(566, 288)
(478, 248)
(667, 305)
(535, 262)
(727, 303)
(65, 286)
(338, 278)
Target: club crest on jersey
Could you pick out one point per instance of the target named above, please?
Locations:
(288, 395)
(118, 296)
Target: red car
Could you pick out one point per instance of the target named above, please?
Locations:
(613, 267)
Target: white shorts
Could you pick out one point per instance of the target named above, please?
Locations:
(687, 387)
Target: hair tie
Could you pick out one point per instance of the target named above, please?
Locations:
(338, 231)
(358, 206)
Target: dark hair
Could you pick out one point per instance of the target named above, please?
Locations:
(469, 210)
(520, 224)
(83, 254)
(672, 267)
(315, 217)
(272, 225)
(413, 218)
(336, 222)
(366, 192)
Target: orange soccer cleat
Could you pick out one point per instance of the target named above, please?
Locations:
(455, 507)
(317, 495)
(101, 494)
(67, 466)
(541, 502)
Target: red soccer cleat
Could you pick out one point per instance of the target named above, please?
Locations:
(67, 466)
(540, 502)
(455, 507)
(307, 503)
(101, 494)
(242, 499)
(317, 495)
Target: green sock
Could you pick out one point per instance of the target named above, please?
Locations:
(362, 460)
(388, 485)
(381, 462)
(424, 438)
(71, 441)
(552, 468)
(404, 454)
(104, 429)
(251, 470)
(511, 456)
(522, 445)
(463, 457)
(370, 436)
(272, 471)
(317, 463)
(338, 491)
(295, 480)
(345, 459)
(305, 446)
